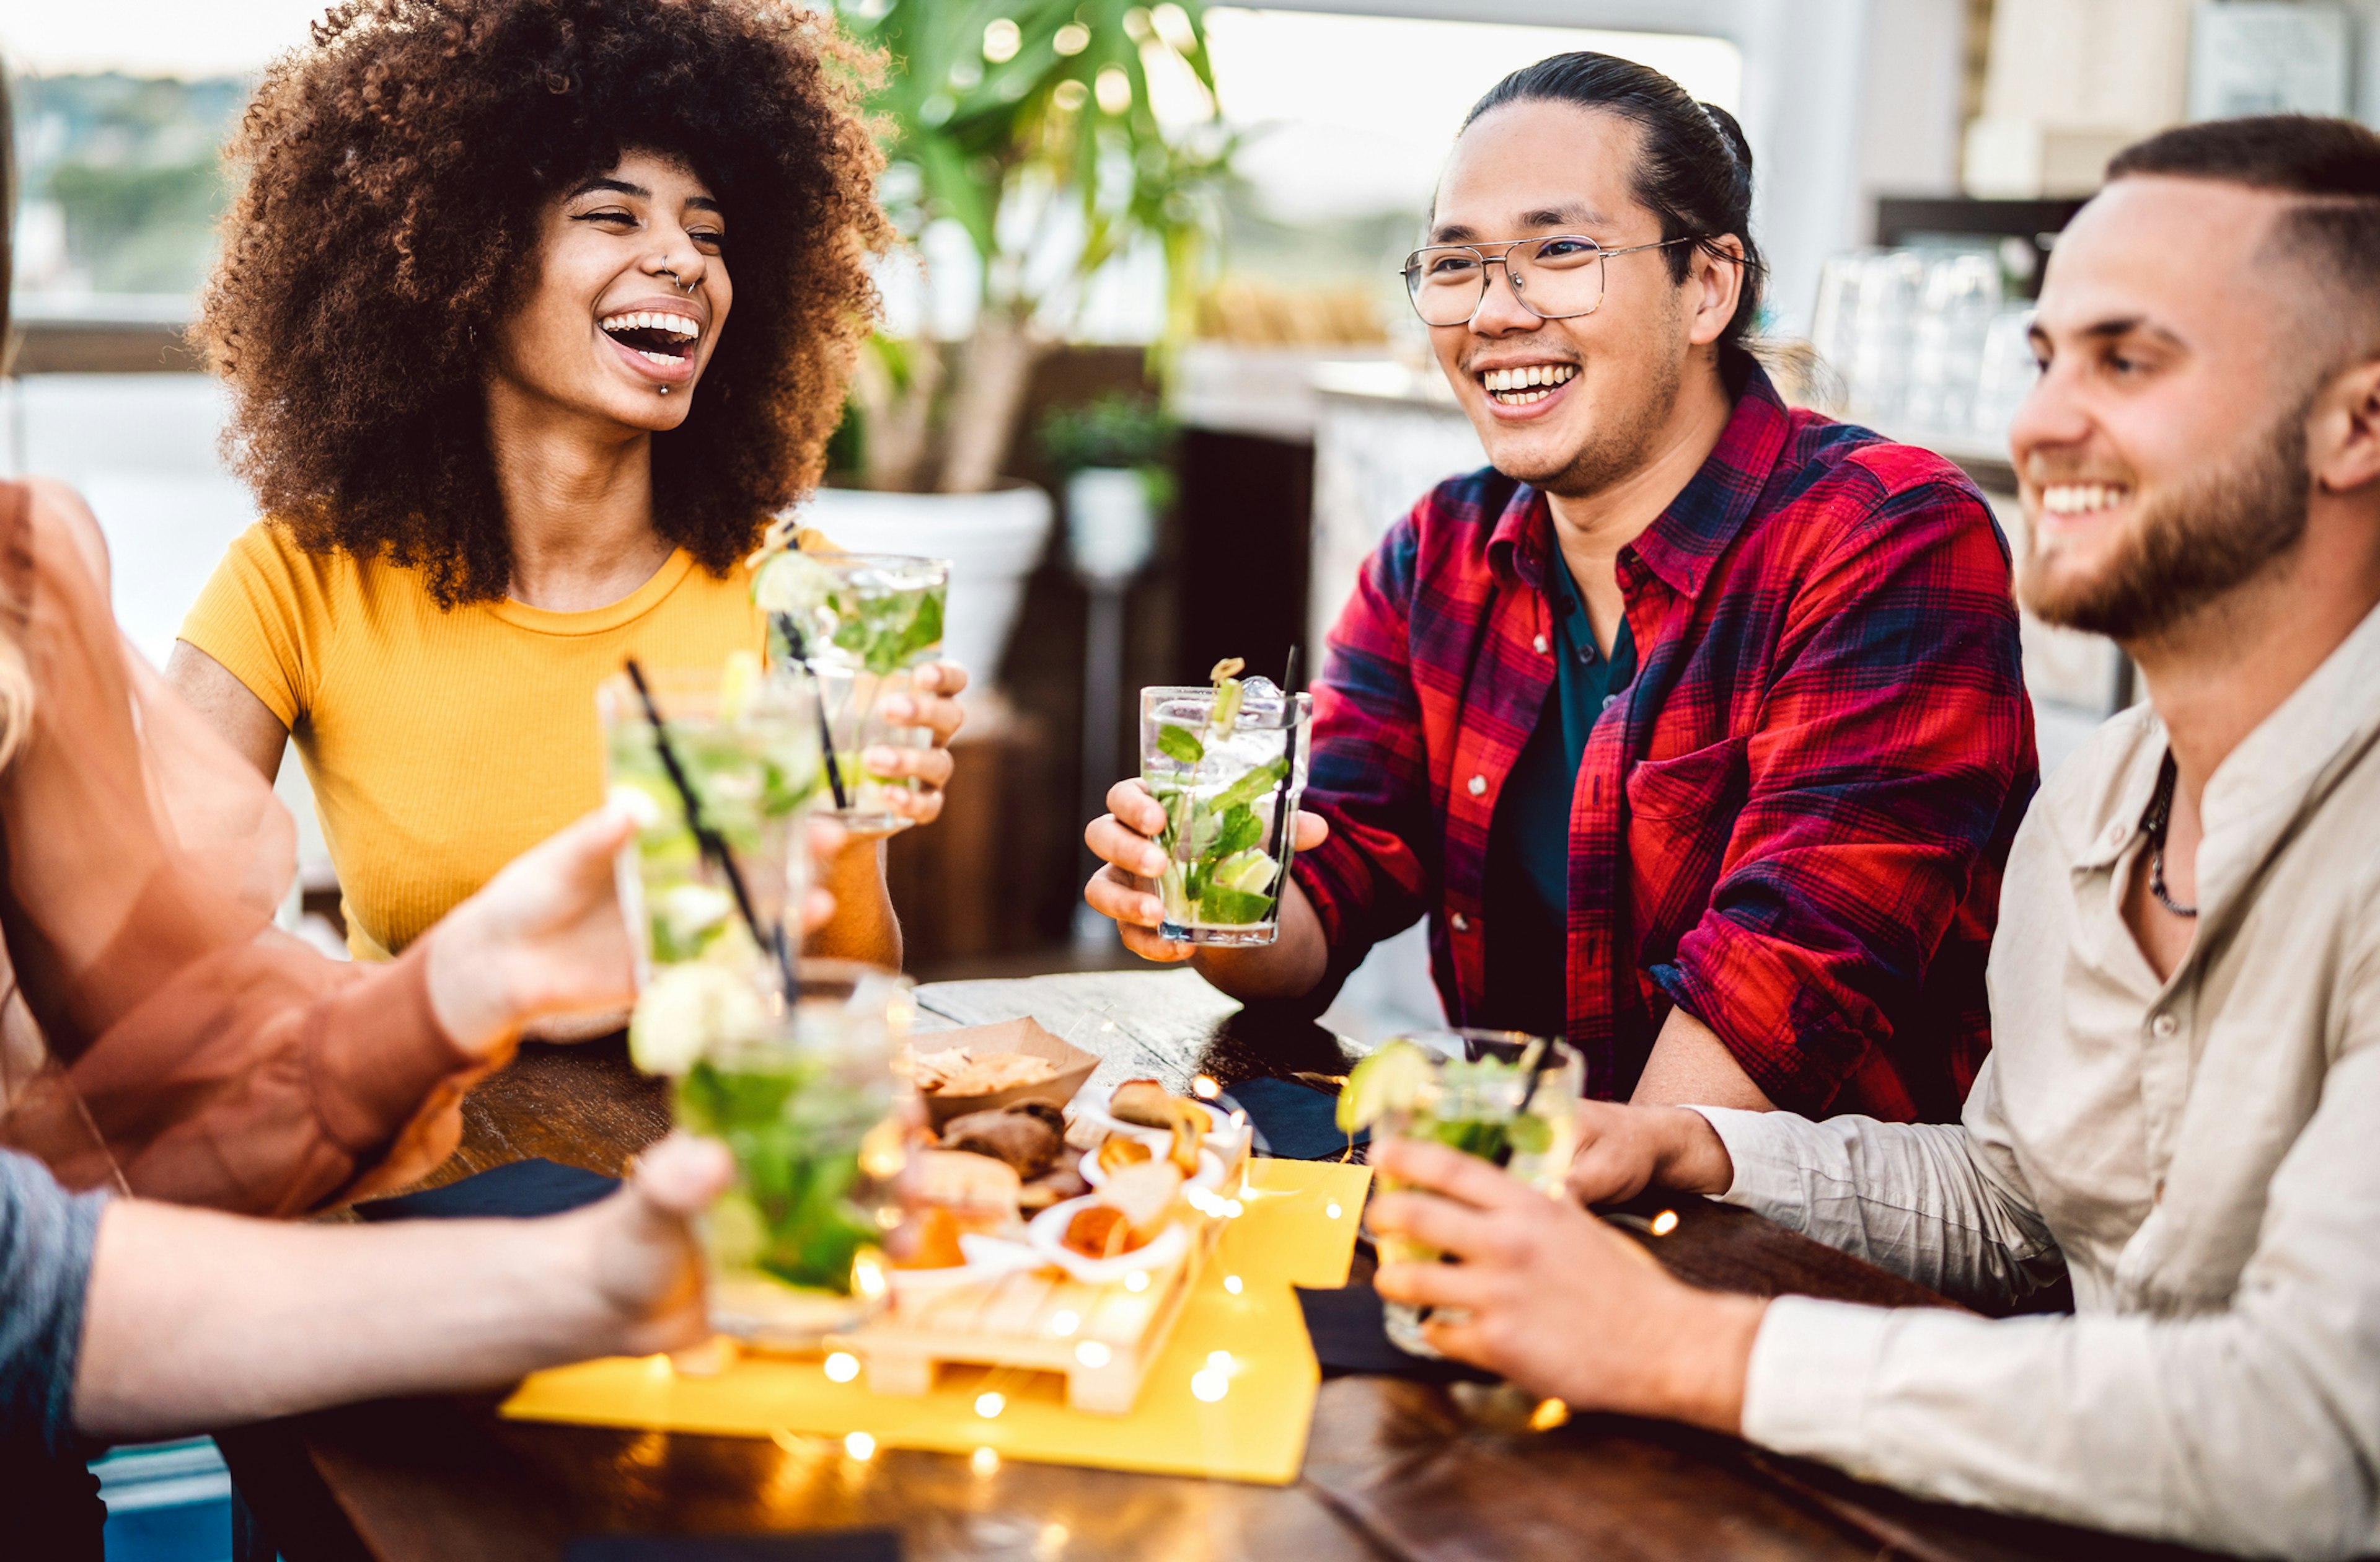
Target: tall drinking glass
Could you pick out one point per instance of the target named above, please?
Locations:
(1473, 1090)
(863, 624)
(806, 1104)
(747, 744)
(1229, 770)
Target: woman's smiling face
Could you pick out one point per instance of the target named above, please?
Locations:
(632, 292)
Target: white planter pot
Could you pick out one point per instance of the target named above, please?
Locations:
(1111, 531)
(994, 542)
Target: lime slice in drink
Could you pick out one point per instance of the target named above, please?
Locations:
(1176, 895)
(1390, 1080)
(636, 803)
(687, 1011)
(737, 678)
(1529, 1135)
(691, 913)
(735, 1231)
(1249, 870)
(791, 582)
(1233, 908)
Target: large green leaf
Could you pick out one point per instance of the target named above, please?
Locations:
(982, 109)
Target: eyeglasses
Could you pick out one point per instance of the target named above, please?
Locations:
(1557, 278)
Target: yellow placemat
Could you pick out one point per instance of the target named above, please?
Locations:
(1299, 1229)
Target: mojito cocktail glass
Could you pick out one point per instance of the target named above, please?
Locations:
(748, 743)
(1465, 1089)
(808, 1107)
(1217, 759)
(863, 624)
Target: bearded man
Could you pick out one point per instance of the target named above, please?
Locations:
(2180, 1110)
(1694, 724)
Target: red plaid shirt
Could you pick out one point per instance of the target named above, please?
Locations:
(1792, 823)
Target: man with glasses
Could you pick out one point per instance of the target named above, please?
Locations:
(1694, 724)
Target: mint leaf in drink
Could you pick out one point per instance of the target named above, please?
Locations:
(1242, 829)
(1250, 787)
(924, 633)
(1233, 908)
(1470, 1135)
(853, 632)
(1181, 745)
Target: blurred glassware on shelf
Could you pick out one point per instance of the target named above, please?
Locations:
(2005, 375)
(1924, 340)
(1954, 314)
(1866, 302)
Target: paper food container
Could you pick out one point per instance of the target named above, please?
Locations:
(1024, 1036)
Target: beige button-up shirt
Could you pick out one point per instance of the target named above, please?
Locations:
(2201, 1154)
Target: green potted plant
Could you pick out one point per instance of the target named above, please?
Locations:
(1114, 455)
(1030, 125)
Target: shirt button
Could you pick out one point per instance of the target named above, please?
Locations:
(1610, 701)
(1540, 644)
(2164, 1026)
(1476, 786)
(1462, 923)
(2116, 833)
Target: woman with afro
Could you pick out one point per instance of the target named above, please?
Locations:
(533, 313)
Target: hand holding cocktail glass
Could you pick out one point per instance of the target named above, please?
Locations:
(931, 706)
(865, 629)
(1126, 889)
(1198, 848)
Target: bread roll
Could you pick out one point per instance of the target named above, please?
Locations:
(1024, 1139)
(1142, 1101)
(979, 1192)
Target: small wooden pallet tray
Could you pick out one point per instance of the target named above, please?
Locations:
(1104, 1338)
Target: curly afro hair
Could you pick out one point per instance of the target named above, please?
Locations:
(397, 169)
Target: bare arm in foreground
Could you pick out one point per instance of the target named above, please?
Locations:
(199, 1320)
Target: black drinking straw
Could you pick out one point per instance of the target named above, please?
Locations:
(792, 633)
(1289, 757)
(713, 844)
(1542, 1052)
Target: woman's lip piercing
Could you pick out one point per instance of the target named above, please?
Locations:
(683, 286)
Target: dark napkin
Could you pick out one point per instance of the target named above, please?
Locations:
(1350, 1336)
(1296, 1122)
(533, 1187)
(824, 1545)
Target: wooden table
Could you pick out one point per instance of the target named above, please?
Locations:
(1393, 1469)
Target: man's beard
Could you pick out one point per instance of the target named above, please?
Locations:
(2210, 536)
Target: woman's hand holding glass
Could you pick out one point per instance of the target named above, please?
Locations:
(545, 937)
(934, 706)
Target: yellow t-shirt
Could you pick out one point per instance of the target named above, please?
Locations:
(441, 743)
